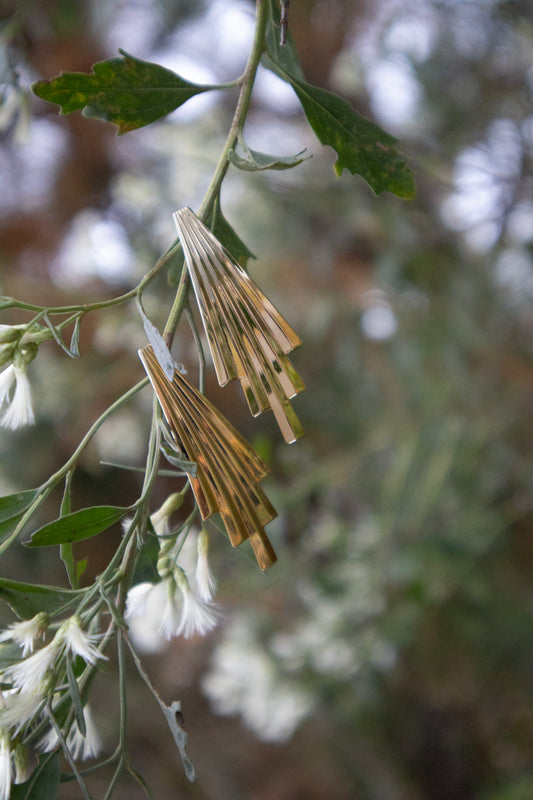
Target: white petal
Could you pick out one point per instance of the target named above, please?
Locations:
(87, 746)
(20, 410)
(137, 599)
(205, 580)
(196, 617)
(29, 673)
(20, 708)
(7, 379)
(6, 769)
(78, 641)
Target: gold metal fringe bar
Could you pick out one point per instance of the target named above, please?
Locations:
(248, 338)
(228, 469)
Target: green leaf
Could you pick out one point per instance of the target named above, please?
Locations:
(284, 55)
(83, 524)
(253, 161)
(173, 457)
(362, 147)
(74, 693)
(12, 509)
(146, 562)
(74, 346)
(124, 90)
(12, 505)
(27, 599)
(43, 783)
(227, 236)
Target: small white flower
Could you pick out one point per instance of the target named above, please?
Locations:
(171, 619)
(20, 707)
(205, 580)
(24, 633)
(7, 380)
(137, 599)
(80, 747)
(29, 674)
(77, 641)
(48, 742)
(20, 409)
(144, 608)
(169, 607)
(196, 614)
(6, 768)
(88, 746)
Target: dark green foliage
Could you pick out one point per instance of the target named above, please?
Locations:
(125, 90)
(80, 525)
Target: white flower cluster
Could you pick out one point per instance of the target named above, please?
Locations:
(30, 683)
(244, 679)
(335, 636)
(157, 612)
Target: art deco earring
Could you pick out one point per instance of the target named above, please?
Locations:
(228, 470)
(248, 338)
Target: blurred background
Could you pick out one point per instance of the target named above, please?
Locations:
(388, 655)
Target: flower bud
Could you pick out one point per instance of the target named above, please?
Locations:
(6, 354)
(10, 333)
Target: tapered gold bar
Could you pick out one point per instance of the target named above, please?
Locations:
(228, 469)
(248, 338)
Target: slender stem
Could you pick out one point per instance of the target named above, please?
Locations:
(241, 109)
(237, 123)
(84, 308)
(81, 783)
(54, 479)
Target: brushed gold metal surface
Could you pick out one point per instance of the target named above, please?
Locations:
(248, 338)
(228, 469)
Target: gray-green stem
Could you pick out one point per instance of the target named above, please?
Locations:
(241, 110)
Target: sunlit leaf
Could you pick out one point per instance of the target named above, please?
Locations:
(27, 599)
(124, 90)
(83, 524)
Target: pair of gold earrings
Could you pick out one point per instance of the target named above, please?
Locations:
(250, 340)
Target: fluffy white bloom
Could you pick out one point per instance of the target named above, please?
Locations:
(144, 612)
(77, 641)
(244, 680)
(29, 674)
(19, 707)
(171, 619)
(166, 609)
(6, 768)
(196, 614)
(205, 580)
(7, 380)
(24, 633)
(80, 747)
(87, 746)
(20, 409)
